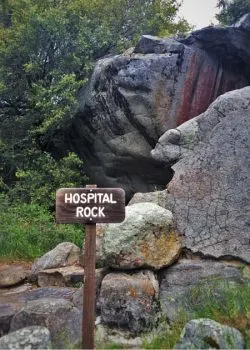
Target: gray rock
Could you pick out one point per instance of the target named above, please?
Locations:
(151, 44)
(146, 238)
(177, 143)
(132, 99)
(13, 300)
(128, 301)
(106, 335)
(209, 193)
(64, 254)
(68, 276)
(61, 318)
(12, 275)
(77, 296)
(7, 311)
(16, 289)
(158, 197)
(47, 292)
(207, 334)
(179, 282)
(33, 337)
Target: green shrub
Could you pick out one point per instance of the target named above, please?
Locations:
(27, 231)
(39, 179)
(231, 307)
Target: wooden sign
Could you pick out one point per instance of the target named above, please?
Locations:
(90, 205)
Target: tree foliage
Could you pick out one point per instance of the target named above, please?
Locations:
(47, 51)
(232, 10)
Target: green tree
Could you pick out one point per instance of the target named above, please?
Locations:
(231, 11)
(39, 179)
(47, 51)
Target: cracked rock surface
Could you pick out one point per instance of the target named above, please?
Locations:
(209, 193)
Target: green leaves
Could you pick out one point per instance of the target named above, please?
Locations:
(47, 51)
(28, 231)
(43, 175)
(231, 11)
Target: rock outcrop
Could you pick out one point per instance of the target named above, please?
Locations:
(209, 193)
(132, 99)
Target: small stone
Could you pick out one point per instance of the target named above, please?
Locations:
(64, 254)
(33, 337)
(12, 275)
(207, 334)
(61, 277)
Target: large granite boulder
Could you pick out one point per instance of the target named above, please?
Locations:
(132, 99)
(208, 334)
(33, 337)
(129, 301)
(209, 193)
(61, 318)
(146, 238)
(64, 254)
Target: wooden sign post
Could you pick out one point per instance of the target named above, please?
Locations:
(89, 205)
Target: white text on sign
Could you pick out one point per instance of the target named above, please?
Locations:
(89, 198)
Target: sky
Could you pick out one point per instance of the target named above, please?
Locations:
(199, 12)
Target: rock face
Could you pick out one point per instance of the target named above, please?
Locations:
(128, 301)
(33, 337)
(146, 238)
(64, 254)
(12, 275)
(58, 315)
(209, 193)
(133, 99)
(202, 278)
(207, 334)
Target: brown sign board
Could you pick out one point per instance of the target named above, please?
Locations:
(90, 205)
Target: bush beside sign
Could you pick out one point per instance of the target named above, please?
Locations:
(90, 205)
